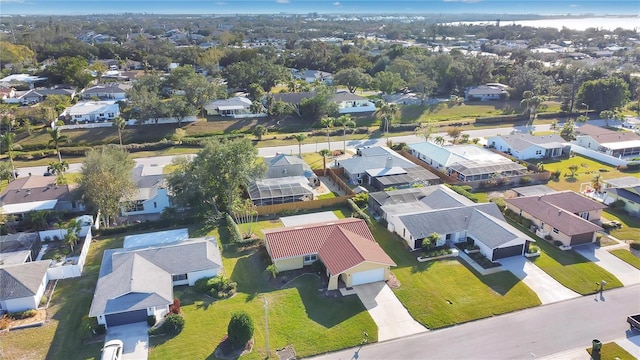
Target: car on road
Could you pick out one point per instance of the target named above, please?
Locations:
(112, 350)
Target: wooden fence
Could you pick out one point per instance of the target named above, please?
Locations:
(336, 174)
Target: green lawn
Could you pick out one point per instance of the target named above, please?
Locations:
(627, 256)
(258, 226)
(630, 225)
(587, 169)
(568, 267)
(611, 351)
(62, 336)
(446, 292)
(298, 315)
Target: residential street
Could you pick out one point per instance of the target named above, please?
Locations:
(526, 334)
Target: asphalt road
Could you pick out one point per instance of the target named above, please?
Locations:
(526, 334)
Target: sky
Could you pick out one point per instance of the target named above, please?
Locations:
(542, 7)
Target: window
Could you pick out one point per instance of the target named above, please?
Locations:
(155, 205)
(310, 258)
(555, 230)
(136, 206)
(538, 152)
(111, 115)
(77, 116)
(179, 277)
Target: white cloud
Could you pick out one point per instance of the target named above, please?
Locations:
(574, 5)
(282, 1)
(337, 3)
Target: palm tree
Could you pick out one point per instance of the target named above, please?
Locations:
(9, 140)
(259, 131)
(56, 139)
(554, 126)
(328, 122)
(299, 138)
(439, 140)
(425, 130)
(596, 183)
(324, 153)
(607, 115)
(345, 121)
(58, 168)
(387, 112)
(530, 103)
(119, 122)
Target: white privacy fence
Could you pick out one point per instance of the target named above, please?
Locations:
(130, 122)
(70, 268)
(598, 155)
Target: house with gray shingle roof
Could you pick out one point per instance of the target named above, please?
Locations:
(412, 200)
(620, 144)
(346, 247)
(527, 146)
(135, 283)
(482, 224)
(22, 285)
(152, 196)
(287, 179)
(626, 189)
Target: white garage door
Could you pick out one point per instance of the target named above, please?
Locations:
(365, 277)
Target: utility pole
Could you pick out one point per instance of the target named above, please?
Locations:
(266, 320)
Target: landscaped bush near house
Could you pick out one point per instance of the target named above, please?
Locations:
(217, 287)
(4, 322)
(23, 314)
(359, 212)
(361, 199)
(556, 175)
(635, 245)
(618, 204)
(525, 180)
(172, 324)
(240, 329)
(234, 230)
(526, 223)
(151, 320)
(557, 243)
(533, 249)
(464, 190)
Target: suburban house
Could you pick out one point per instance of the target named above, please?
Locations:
(527, 146)
(35, 96)
(22, 285)
(235, 107)
(481, 224)
(30, 80)
(311, 76)
(564, 216)
(486, 92)
(34, 192)
(533, 190)
(620, 144)
(381, 168)
(108, 91)
(626, 189)
(7, 92)
(347, 103)
(287, 179)
(152, 196)
(415, 199)
(92, 111)
(134, 283)
(466, 162)
(346, 248)
(19, 248)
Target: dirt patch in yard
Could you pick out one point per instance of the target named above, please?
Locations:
(38, 319)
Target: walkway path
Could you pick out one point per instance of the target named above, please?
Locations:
(547, 288)
(601, 256)
(391, 317)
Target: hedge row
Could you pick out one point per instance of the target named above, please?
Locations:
(361, 214)
(148, 225)
(464, 191)
(234, 230)
(500, 118)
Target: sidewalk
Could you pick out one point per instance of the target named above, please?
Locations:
(631, 345)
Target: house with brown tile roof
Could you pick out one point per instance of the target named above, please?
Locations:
(33, 192)
(613, 143)
(346, 248)
(564, 216)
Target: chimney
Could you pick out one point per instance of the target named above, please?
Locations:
(559, 212)
(389, 163)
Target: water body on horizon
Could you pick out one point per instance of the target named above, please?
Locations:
(580, 24)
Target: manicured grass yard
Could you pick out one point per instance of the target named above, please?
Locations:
(587, 169)
(61, 337)
(569, 268)
(611, 351)
(630, 225)
(446, 292)
(627, 256)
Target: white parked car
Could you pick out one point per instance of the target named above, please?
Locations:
(112, 350)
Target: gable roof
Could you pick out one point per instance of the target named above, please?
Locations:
(109, 88)
(22, 280)
(464, 154)
(432, 197)
(622, 182)
(291, 242)
(626, 194)
(133, 279)
(520, 142)
(553, 214)
(147, 184)
(16, 248)
(39, 192)
(285, 165)
(374, 158)
(234, 103)
(570, 201)
(296, 98)
(47, 92)
(345, 249)
(603, 136)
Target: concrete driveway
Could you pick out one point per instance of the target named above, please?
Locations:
(546, 287)
(391, 317)
(135, 339)
(626, 273)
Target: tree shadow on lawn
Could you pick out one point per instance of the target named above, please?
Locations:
(327, 308)
(501, 282)
(249, 273)
(419, 267)
(244, 124)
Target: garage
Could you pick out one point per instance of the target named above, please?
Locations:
(369, 276)
(500, 253)
(582, 238)
(128, 317)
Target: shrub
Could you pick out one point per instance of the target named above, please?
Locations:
(175, 307)
(635, 245)
(548, 237)
(151, 320)
(361, 199)
(557, 243)
(234, 230)
(533, 249)
(217, 287)
(464, 190)
(4, 322)
(240, 329)
(23, 314)
(359, 212)
(526, 223)
(173, 324)
(525, 180)
(618, 204)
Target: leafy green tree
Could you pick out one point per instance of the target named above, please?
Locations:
(57, 138)
(234, 162)
(38, 219)
(353, 79)
(531, 102)
(573, 168)
(180, 109)
(454, 133)
(259, 131)
(299, 138)
(58, 168)
(568, 131)
(70, 70)
(388, 82)
(6, 171)
(256, 92)
(319, 105)
(606, 93)
(324, 153)
(240, 329)
(106, 180)
(423, 86)
(387, 112)
(346, 122)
